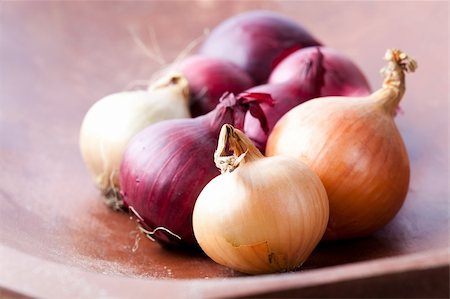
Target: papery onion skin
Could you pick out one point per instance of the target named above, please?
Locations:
(266, 216)
(111, 122)
(304, 75)
(167, 165)
(356, 149)
(256, 41)
(209, 78)
(321, 71)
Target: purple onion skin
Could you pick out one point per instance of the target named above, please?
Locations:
(163, 171)
(256, 41)
(324, 71)
(209, 78)
(166, 166)
(306, 74)
(286, 97)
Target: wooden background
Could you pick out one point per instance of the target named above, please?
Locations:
(59, 240)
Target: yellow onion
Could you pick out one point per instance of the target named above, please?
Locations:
(112, 121)
(261, 215)
(356, 149)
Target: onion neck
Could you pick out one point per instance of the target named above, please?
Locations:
(174, 82)
(393, 89)
(313, 74)
(241, 147)
(233, 109)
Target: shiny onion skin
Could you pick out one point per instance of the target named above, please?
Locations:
(256, 41)
(306, 74)
(209, 78)
(356, 149)
(167, 165)
(321, 72)
(261, 215)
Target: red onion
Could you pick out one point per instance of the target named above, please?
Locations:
(306, 74)
(209, 78)
(285, 98)
(322, 71)
(166, 166)
(256, 41)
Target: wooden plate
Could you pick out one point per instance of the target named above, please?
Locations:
(59, 240)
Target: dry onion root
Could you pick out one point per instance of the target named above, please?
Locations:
(356, 149)
(261, 215)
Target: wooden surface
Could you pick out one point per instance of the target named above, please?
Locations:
(59, 240)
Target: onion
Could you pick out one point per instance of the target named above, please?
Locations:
(262, 214)
(306, 74)
(256, 41)
(209, 78)
(167, 165)
(321, 72)
(354, 146)
(112, 121)
(285, 96)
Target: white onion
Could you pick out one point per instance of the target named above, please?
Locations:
(112, 121)
(262, 214)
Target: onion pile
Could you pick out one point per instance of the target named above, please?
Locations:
(335, 167)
